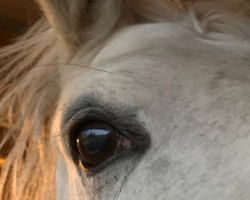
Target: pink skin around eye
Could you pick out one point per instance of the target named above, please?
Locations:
(126, 143)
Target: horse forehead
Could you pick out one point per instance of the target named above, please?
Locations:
(133, 59)
(152, 57)
(159, 71)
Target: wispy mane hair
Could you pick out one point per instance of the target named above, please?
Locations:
(28, 96)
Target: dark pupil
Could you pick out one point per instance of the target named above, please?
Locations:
(96, 143)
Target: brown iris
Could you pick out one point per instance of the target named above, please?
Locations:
(97, 142)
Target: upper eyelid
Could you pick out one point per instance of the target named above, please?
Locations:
(121, 117)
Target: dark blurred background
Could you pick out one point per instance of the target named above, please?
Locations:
(15, 17)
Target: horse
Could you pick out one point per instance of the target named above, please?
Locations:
(123, 99)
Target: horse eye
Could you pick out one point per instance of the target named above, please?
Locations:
(98, 142)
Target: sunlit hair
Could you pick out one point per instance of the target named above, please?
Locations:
(30, 82)
(29, 92)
